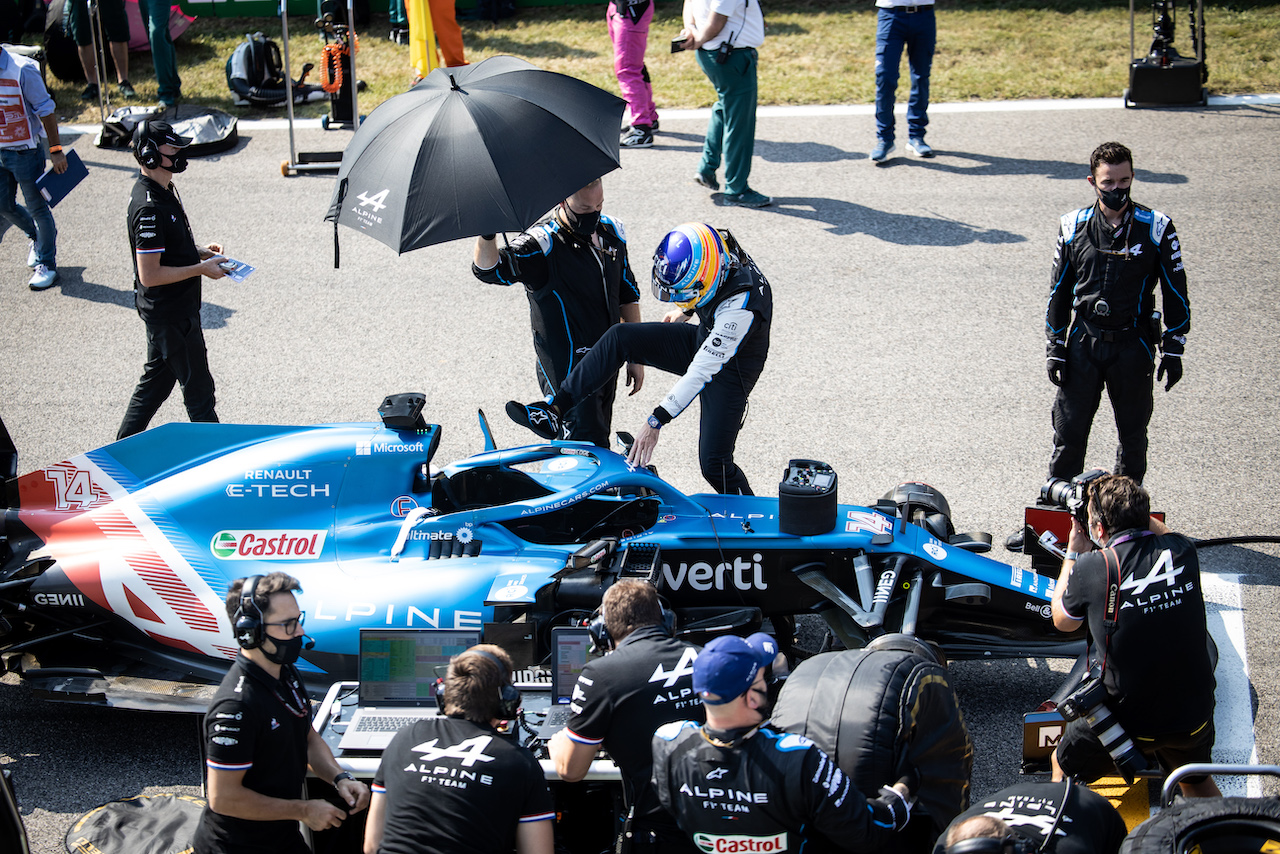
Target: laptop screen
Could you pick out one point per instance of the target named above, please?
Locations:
(570, 649)
(398, 667)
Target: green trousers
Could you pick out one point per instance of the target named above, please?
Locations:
(731, 133)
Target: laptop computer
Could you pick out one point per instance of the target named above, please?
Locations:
(398, 672)
(570, 651)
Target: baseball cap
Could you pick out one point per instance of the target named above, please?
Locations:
(162, 133)
(727, 667)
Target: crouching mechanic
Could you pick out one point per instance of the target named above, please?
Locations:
(1140, 594)
(739, 780)
(258, 734)
(621, 699)
(1037, 816)
(705, 272)
(455, 784)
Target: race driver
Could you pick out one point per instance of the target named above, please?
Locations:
(737, 783)
(621, 699)
(704, 272)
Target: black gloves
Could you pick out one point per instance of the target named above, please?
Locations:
(1171, 365)
(1171, 362)
(895, 805)
(1056, 356)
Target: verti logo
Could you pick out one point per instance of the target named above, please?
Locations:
(268, 545)
(376, 201)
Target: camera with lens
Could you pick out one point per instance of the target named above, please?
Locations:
(1089, 701)
(1071, 495)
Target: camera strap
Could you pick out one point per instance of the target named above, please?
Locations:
(1111, 615)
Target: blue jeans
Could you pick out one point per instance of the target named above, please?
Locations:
(155, 17)
(20, 167)
(918, 31)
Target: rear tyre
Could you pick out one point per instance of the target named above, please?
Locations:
(1209, 826)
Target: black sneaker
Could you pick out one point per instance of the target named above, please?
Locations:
(539, 417)
(90, 93)
(1014, 542)
(640, 136)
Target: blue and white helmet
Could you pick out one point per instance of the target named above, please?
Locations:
(689, 265)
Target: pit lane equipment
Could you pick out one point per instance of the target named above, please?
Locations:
(1164, 77)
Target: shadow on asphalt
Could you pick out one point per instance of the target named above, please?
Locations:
(903, 229)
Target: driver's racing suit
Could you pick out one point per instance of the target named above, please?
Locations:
(769, 791)
(1107, 278)
(720, 360)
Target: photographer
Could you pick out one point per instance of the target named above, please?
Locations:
(1140, 593)
(1039, 816)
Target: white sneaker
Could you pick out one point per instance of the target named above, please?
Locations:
(32, 257)
(43, 279)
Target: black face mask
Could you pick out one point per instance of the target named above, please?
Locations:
(177, 163)
(765, 709)
(1114, 199)
(287, 651)
(582, 224)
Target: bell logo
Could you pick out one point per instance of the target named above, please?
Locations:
(376, 201)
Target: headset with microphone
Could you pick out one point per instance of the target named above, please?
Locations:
(250, 629)
(604, 642)
(508, 694)
(146, 152)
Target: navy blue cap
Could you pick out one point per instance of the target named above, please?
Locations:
(727, 667)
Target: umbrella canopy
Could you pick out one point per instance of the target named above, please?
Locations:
(475, 150)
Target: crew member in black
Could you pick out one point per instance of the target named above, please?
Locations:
(703, 271)
(621, 699)
(167, 266)
(579, 283)
(1080, 820)
(738, 784)
(258, 734)
(1107, 263)
(455, 784)
(1151, 646)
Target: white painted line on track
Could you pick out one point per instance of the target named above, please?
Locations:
(1233, 717)
(819, 110)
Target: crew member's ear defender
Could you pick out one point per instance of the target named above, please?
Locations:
(248, 618)
(990, 845)
(508, 695)
(603, 641)
(145, 150)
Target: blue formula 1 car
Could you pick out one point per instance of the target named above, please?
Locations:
(116, 562)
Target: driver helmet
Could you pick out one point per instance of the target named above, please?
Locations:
(689, 264)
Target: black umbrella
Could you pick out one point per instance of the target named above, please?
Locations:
(475, 150)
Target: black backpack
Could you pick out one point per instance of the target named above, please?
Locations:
(254, 74)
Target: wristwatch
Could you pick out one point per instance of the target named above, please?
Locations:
(1073, 555)
(345, 775)
(654, 422)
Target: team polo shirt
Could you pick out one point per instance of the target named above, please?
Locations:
(622, 698)
(455, 787)
(256, 724)
(158, 225)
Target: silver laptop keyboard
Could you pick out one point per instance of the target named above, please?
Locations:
(384, 723)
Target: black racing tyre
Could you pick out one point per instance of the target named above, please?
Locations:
(1209, 826)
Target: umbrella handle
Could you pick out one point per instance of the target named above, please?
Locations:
(342, 195)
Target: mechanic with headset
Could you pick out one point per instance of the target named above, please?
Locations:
(1140, 593)
(167, 266)
(739, 784)
(1035, 816)
(258, 735)
(455, 784)
(645, 681)
(704, 271)
(1107, 263)
(579, 283)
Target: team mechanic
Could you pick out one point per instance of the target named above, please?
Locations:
(621, 699)
(258, 735)
(1140, 593)
(455, 784)
(579, 283)
(738, 784)
(704, 271)
(1064, 818)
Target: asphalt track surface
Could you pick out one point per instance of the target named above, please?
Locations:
(907, 344)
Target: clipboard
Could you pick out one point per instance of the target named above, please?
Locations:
(55, 187)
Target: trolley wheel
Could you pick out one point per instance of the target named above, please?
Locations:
(1204, 97)
(324, 122)
(284, 168)
(1128, 105)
